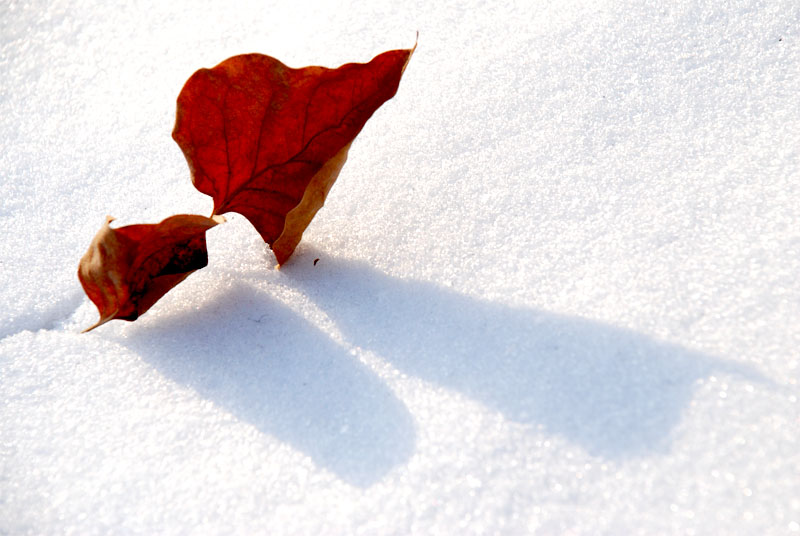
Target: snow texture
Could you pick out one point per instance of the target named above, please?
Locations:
(557, 288)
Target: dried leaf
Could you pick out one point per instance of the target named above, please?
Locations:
(268, 141)
(127, 270)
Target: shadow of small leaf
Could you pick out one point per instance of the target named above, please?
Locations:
(271, 368)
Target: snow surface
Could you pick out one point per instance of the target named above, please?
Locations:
(557, 288)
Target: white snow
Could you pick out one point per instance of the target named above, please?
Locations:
(557, 289)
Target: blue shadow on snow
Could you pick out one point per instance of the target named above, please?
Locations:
(271, 368)
(613, 392)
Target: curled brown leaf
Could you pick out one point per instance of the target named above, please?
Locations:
(127, 270)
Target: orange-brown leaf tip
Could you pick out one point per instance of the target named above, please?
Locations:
(98, 324)
(412, 49)
(313, 199)
(267, 141)
(127, 270)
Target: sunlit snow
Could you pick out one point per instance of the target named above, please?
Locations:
(557, 289)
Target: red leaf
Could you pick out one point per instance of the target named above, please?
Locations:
(267, 141)
(127, 270)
